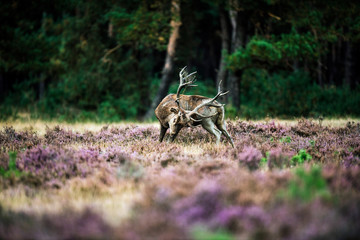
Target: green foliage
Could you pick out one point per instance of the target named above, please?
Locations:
(335, 101)
(201, 233)
(96, 64)
(283, 94)
(116, 109)
(264, 160)
(231, 111)
(286, 139)
(273, 51)
(276, 95)
(204, 88)
(300, 158)
(307, 186)
(296, 46)
(145, 27)
(12, 170)
(257, 51)
(82, 60)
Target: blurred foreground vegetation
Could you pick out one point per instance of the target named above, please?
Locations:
(103, 60)
(280, 181)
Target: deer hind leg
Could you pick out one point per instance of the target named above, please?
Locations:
(220, 124)
(209, 126)
(227, 135)
(162, 133)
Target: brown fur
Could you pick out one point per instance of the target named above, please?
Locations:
(171, 116)
(188, 102)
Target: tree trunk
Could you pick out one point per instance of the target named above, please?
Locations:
(110, 30)
(319, 71)
(222, 73)
(237, 41)
(296, 65)
(1, 86)
(41, 86)
(333, 66)
(169, 60)
(348, 64)
(296, 61)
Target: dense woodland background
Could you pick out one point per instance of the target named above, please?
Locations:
(114, 60)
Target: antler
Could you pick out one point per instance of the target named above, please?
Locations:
(210, 103)
(186, 80)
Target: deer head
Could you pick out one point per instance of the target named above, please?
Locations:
(184, 118)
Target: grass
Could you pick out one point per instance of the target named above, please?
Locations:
(40, 126)
(114, 202)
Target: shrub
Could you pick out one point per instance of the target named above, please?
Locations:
(201, 233)
(12, 170)
(285, 94)
(250, 157)
(66, 225)
(10, 140)
(351, 161)
(307, 186)
(276, 158)
(300, 158)
(286, 139)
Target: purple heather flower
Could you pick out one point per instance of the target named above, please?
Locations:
(250, 157)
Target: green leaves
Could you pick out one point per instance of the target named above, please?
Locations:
(257, 51)
(297, 46)
(300, 158)
(286, 139)
(273, 51)
(12, 170)
(201, 233)
(141, 28)
(307, 185)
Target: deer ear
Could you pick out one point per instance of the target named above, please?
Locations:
(174, 110)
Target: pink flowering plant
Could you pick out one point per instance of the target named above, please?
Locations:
(278, 182)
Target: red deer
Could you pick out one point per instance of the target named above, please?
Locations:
(176, 111)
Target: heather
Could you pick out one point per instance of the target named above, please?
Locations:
(299, 181)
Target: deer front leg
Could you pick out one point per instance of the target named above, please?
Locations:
(209, 126)
(162, 133)
(173, 136)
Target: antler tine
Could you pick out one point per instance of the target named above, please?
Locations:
(209, 103)
(184, 83)
(190, 79)
(219, 89)
(181, 74)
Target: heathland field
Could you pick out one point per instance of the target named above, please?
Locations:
(283, 180)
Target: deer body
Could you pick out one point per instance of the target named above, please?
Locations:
(176, 111)
(189, 102)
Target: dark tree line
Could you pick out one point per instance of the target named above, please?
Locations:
(111, 60)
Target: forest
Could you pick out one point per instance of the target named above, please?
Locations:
(108, 61)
